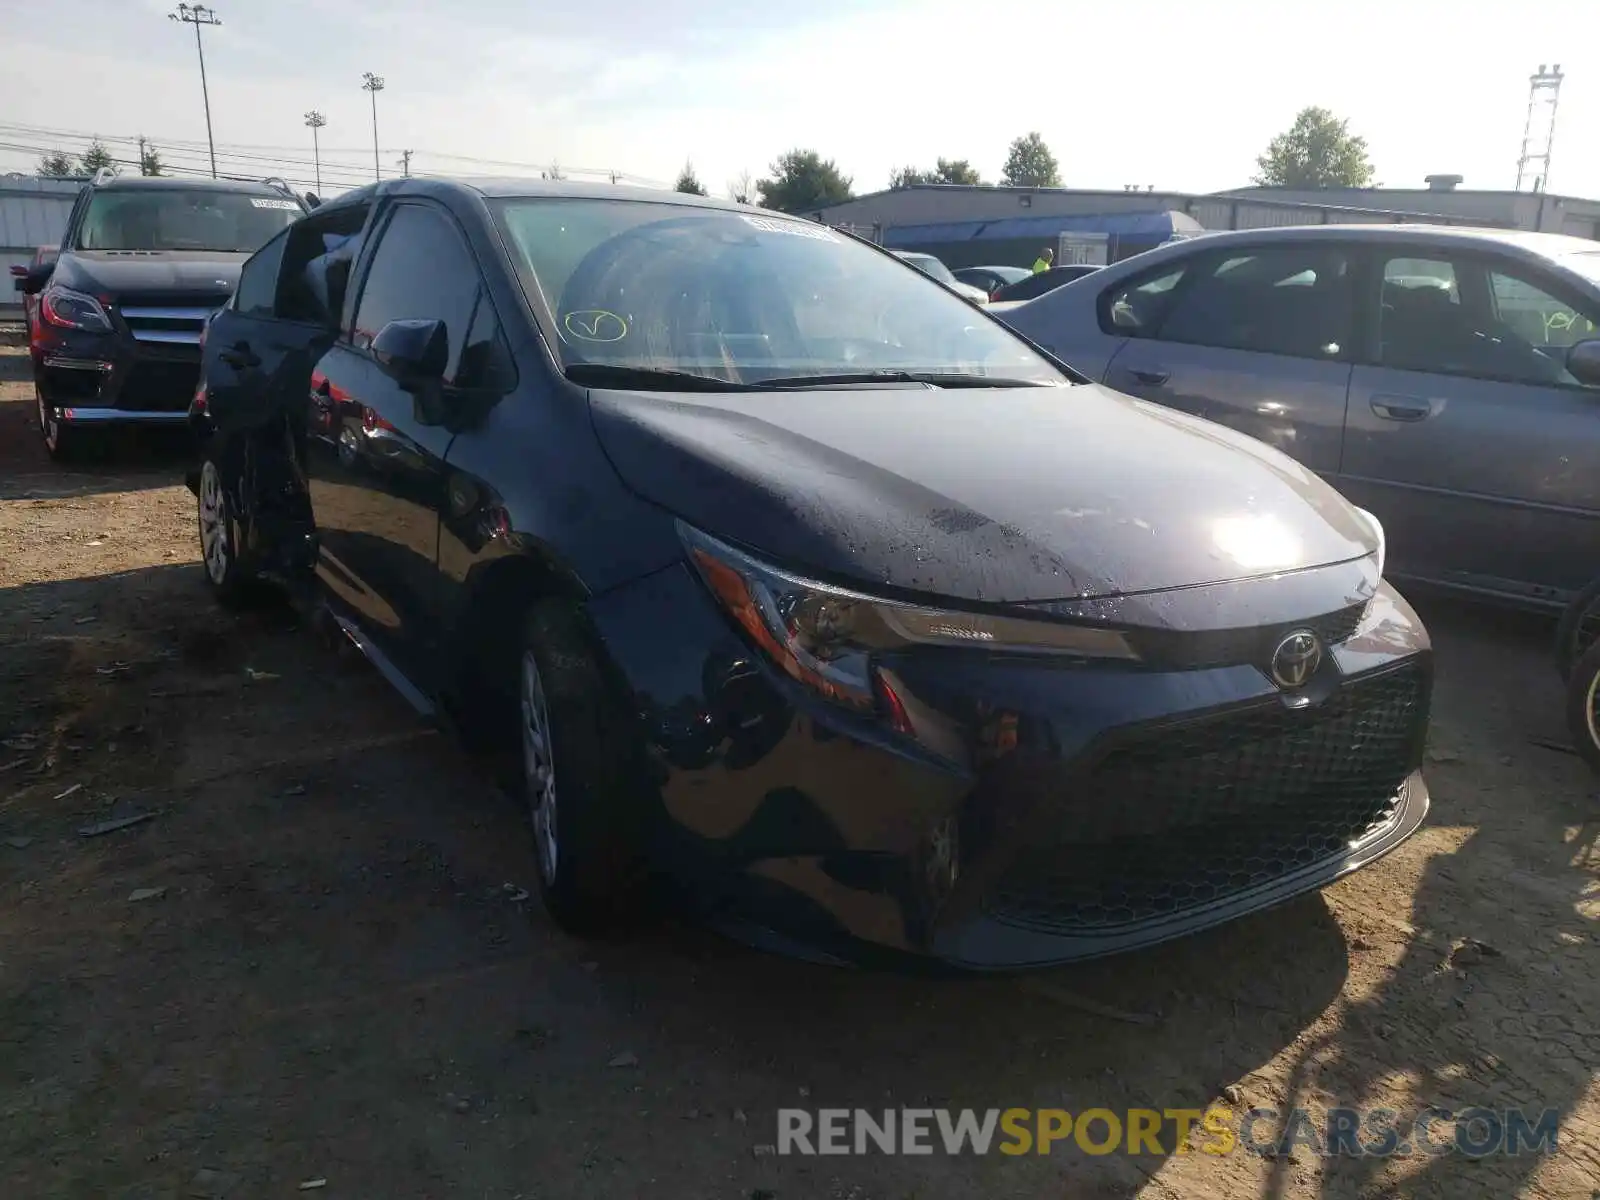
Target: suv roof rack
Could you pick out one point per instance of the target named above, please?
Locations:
(282, 185)
(103, 175)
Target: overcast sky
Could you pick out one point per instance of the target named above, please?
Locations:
(1180, 95)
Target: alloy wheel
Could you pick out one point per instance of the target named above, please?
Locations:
(538, 767)
(213, 523)
(49, 423)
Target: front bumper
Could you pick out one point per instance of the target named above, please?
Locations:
(1043, 813)
(139, 373)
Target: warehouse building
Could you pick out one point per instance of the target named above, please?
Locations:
(976, 225)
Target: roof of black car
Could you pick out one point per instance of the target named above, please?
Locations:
(122, 183)
(511, 188)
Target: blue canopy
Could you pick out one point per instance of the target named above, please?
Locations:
(1151, 226)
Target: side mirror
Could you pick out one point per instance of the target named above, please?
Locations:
(413, 352)
(313, 200)
(1583, 361)
(33, 281)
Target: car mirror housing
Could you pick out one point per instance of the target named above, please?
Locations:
(1583, 361)
(413, 352)
(35, 280)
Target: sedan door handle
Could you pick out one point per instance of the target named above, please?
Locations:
(1150, 377)
(241, 358)
(1402, 408)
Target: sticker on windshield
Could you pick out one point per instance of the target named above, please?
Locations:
(595, 325)
(290, 205)
(817, 233)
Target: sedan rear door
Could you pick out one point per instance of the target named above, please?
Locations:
(1258, 338)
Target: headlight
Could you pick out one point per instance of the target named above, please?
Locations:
(825, 637)
(1377, 529)
(68, 309)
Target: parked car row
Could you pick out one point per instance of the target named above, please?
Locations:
(783, 574)
(1446, 379)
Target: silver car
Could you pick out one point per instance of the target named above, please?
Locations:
(1446, 379)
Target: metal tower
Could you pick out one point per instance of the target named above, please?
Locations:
(1544, 88)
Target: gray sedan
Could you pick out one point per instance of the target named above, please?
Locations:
(1446, 379)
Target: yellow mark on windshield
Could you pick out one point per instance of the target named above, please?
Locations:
(595, 325)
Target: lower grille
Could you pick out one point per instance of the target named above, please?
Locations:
(1194, 814)
(159, 386)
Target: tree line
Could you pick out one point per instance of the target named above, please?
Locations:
(96, 157)
(1316, 151)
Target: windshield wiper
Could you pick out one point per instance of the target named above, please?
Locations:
(649, 378)
(943, 379)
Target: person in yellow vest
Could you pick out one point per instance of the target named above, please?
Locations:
(1042, 263)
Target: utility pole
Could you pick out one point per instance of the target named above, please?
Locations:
(373, 84)
(198, 15)
(316, 121)
(405, 162)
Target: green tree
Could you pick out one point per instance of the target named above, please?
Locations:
(949, 170)
(1317, 151)
(149, 159)
(56, 163)
(803, 180)
(1029, 163)
(95, 157)
(687, 182)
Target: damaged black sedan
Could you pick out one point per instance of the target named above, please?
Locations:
(788, 577)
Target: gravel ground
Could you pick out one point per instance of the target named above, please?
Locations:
(314, 959)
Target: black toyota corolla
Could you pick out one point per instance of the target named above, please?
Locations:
(788, 576)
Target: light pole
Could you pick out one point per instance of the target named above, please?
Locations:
(316, 121)
(374, 84)
(198, 15)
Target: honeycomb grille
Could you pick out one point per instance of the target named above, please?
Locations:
(1194, 814)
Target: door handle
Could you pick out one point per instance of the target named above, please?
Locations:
(1150, 377)
(1402, 408)
(240, 357)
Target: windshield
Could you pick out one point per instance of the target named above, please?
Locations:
(179, 219)
(1586, 264)
(743, 297)
(930, 265)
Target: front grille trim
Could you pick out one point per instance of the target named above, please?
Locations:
(1103, 862)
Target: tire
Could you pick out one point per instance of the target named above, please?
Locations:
(1578, 628)
(61, 441)
(1583, 698)
(577, 778)
(230, 577)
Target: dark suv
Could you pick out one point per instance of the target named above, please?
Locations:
(781, 571)
(121, 309)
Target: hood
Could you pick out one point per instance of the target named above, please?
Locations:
(123, 272)
(994, 495)
(967, 292)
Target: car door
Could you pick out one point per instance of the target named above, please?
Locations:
(1467, 437)
(255, 357)
(375, 459)
(1258, 338)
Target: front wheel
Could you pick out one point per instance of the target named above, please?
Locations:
(1578, 628)
(60, 439)
(1583, 706)
(581, 794)
(229, 576)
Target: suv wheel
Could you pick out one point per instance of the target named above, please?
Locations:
(575, 777)
(1583, 706)
(59, 439)
(229, 576)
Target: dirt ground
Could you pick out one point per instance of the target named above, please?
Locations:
(316, 959)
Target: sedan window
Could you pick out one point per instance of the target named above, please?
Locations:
(1459, 318)
(741, 296)
(1295, 300)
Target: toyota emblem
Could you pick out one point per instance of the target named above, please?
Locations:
(1296, 659)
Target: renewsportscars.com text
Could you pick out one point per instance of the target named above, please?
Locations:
(1347, 1132)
